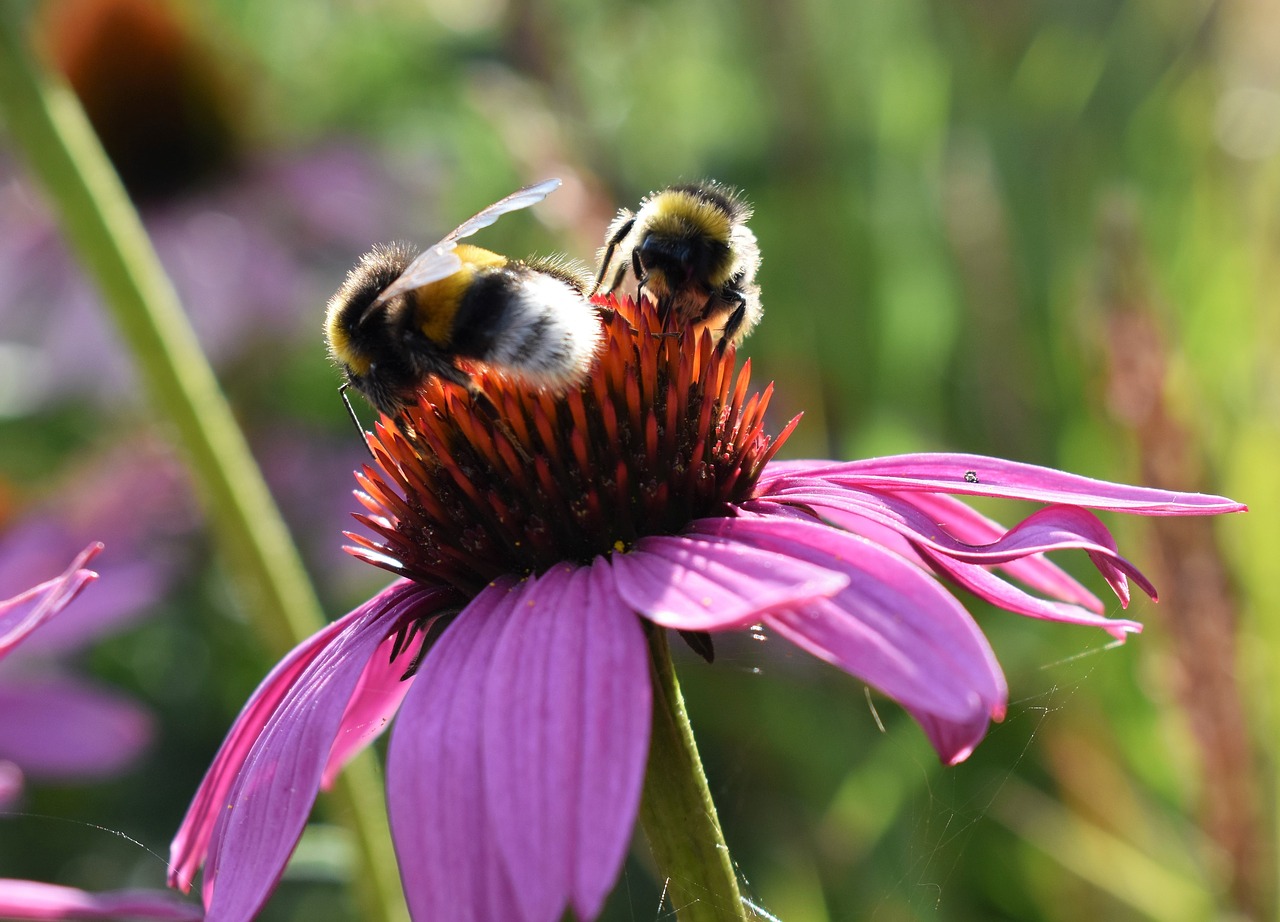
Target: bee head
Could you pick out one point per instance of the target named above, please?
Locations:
(353, 325)
(687, 235)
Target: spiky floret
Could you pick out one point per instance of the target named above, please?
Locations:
(662, 432)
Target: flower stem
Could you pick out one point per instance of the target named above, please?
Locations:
(48, 126)
(677, 813)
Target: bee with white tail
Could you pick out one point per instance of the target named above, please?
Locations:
(400, 319)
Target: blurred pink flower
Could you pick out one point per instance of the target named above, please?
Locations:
(513, 654)
(21, 615)
(53, 725)
(27, 899)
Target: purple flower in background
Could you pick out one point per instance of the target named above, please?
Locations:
(20, 616)
(56, 726)
(540, 547)
(251, 257)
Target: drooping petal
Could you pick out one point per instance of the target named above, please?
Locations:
(1050, 529)
(953, 740)
(986, 585)
(893, 626)
(69, 729)
(191, 844)
(450, 862)
(566, 731)
(979, 475)
(705, 583)
(24, 613)
(375, 701)
(261, 816)
(1036, 570)
(28, 899)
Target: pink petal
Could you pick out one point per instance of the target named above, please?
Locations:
(376, 699)
(894, 626)
(954, 741)
(1050, 529)
(252, 804)
(24, 613)
(946, 473)
(450, 861)
(702, 583)
(972, 527)
(566, 732)
(122, 595)
(27, 899)
(987, 585)
(67, 729)
(191, 844)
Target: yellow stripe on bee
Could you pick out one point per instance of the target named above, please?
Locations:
(436, 305)
(340, 344)
(676, 212)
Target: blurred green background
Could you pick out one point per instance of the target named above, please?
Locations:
(1039, 230)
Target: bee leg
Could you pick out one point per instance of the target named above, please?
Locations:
(734, 323)
(642, 277)
(609, 248)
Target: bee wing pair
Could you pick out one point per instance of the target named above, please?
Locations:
(440, 261)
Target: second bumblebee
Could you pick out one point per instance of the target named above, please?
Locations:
(400, 319)
(689, 248)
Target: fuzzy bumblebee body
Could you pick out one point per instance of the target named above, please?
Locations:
(400, 319)
(689, 248)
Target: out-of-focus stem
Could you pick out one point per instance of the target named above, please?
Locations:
(49, 128)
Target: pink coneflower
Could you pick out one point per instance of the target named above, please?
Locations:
(541, 546)
(26, 899)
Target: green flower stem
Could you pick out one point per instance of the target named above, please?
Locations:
(47, 125)
(677, 813)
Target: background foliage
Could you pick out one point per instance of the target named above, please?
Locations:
(1039, 230)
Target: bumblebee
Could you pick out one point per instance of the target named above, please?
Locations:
(400, 318)
(689, 248)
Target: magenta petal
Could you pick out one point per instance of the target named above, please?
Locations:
(27, 899)
(450, 861)
(376, 699)
(978, 475)
(265, 811)
(894, 626)
(953, 740)
(191, 844)
(24, 613)
(67, 729)
(1036, 571)
(566, 732)
(701, 583)
(990, 587)
(1050, 529)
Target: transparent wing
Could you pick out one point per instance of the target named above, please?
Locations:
(440, 261)
(431, 265)
(521, 198)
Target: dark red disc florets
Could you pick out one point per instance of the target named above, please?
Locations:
(467, 488)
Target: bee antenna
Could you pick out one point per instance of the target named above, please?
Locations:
(355, 420)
